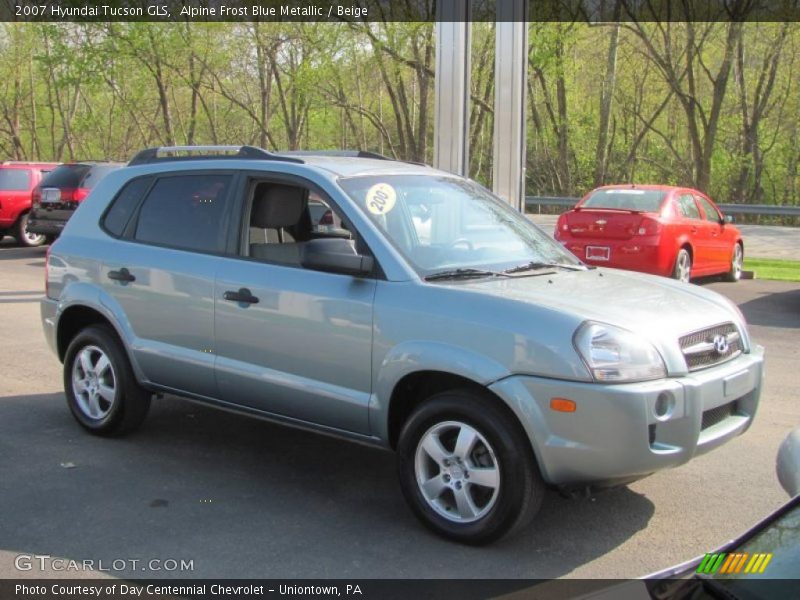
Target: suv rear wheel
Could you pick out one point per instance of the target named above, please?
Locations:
(466, 469)
(100, 386)
(25, 237)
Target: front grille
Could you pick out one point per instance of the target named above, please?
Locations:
(716, 415)
(711, 346)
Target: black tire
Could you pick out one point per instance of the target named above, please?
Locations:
(734, 274)
(519, 492)
(24, 238)
(683, 266)
(130, 403)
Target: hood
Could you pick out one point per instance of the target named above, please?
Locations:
(656, 308)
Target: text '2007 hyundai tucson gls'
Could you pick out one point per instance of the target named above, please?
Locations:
(435, 320)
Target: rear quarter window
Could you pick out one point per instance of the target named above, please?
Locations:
(124, 205)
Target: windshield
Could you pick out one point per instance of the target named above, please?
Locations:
(626, 199)
(440, 223)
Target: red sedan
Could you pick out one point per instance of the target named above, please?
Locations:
(671, 231)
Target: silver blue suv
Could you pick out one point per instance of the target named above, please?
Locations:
(431, 319)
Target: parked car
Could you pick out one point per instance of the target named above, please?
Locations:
(17, 182)
(670, 231)
(488, 357)
(760, 563)
(60, 193)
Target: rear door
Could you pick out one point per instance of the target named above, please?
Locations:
(162, 272)
(691, 227)
(720, 246)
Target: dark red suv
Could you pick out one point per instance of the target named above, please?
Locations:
(60, 193)
(17, 182)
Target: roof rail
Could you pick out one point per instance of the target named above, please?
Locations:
(177, 153)
(349, 154)
(337, 153)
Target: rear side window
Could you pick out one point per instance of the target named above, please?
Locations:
(687, 207)
(15, 180)
(124, 204)
(66, 176)
(711, 212)
(95, 174)
(187, 212)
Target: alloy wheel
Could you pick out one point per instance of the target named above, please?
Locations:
(94, 382)
(457, 472)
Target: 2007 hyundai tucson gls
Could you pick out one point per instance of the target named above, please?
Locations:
(435, 321)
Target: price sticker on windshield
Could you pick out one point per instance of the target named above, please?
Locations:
(381, 198)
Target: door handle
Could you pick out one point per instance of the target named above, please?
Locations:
(243, 295)
(694, 229)
(122, 275)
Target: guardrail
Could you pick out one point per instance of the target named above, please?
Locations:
(771, 210)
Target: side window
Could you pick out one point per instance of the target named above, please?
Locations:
(708, 209)
(687, 207)
(124, 205)
(187, 212)
(284, 217)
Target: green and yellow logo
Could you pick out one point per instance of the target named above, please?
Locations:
(736, 562)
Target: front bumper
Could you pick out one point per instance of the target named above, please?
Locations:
(620, 432)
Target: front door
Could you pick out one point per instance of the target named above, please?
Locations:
(291, 341)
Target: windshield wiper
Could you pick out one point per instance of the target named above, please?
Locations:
(463, 274)
(534, 265)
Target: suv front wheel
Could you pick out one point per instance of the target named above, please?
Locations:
(466, 469)
(101, 389)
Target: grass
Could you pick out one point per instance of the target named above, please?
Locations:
(768, 268)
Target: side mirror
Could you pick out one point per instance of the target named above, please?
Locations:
(335, 255)
(335, 232)
(727, 219)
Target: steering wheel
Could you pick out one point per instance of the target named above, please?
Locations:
(465, 242)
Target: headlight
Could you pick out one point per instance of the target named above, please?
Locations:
(613, 354)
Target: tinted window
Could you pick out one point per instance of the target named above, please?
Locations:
(96, 173)
(125, 203)
(626, 199)
(711, 212)
(687, 207)
(186, 212)
(14, 179)
(66, 176)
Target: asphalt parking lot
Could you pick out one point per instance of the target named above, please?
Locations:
(243, 498)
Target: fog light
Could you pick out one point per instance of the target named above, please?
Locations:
(665, 404)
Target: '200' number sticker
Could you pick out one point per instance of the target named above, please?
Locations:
(381, 198)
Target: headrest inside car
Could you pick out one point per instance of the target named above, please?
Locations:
(276, 205)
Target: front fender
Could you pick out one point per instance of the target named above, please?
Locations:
(415, 356)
